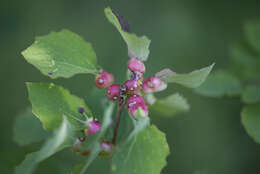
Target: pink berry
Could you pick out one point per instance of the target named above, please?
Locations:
(131, 86)
(153, 84)
(135, 102)
(136, 65)
(104, 80)
(113, 92)
(93, 127)
(106, 146)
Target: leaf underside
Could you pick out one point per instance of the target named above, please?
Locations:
(171, 105)
(191, 80)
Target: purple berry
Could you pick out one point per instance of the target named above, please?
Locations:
(153, 84)
(131, 86)
(113, 92)
(136, 65)
(134, 103)
(104, 80)
(93, 127)
(81, 110)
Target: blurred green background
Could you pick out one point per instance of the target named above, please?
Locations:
(185, 34)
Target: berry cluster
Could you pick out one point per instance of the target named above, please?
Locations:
(131, 91)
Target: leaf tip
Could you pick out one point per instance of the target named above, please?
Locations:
(212, 65)
(206, 71)
(124, 24)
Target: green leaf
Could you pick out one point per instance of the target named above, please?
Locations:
(28, 129)
(137, 46)
(98, 100)
(63, 137)
(140, 124)
(146, 154)
(78, 168)
(245, 63)
(94, 153)
(251, 121)
(191, 80)
(251, 94)
(252, 31)
(61, 163)
(220, 83)
(171, 105)
(51, 102)
(62, 54)
(130, 127)
(126, 126)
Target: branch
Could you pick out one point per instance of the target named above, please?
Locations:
(118, 116)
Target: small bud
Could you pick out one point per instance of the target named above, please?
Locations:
(153, 84)
(131, 86)
(106, 146)
(136, 65)
(81, 110)
(123, 90)
(135, 103)
(93, 127)
(113, 92)
(104, 80)
(135, 75)
(81, 139)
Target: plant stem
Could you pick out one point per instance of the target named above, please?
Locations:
(118, 116)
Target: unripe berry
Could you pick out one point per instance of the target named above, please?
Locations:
(153, 84)
(104, 80)
(113, 92)
(136, 65)
(131, 86)
(93, 127)
(134, 103)
(106, 146)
